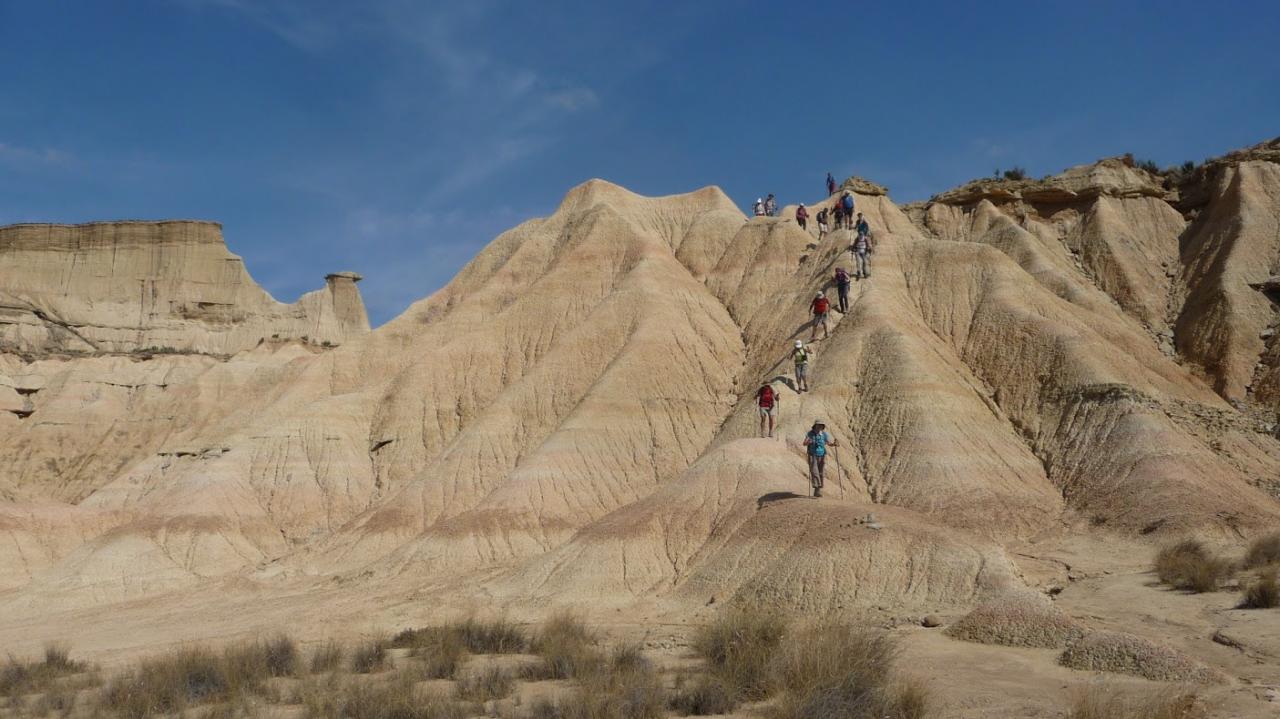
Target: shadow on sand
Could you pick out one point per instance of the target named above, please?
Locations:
(775, 497)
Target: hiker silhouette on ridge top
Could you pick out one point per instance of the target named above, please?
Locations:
(770, 206)
(758, 208)
(816, 441)
(831, 185)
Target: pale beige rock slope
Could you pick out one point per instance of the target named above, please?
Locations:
(570, 421)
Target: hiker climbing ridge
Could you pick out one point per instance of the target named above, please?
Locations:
(816, 442)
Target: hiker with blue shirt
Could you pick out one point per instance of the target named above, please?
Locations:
(846, 206)
(816, 441)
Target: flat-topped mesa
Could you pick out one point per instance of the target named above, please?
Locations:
(137, 285)
(1112, 177)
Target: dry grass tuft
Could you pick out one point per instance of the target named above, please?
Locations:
(169, 683)
(485, 685)
(702, 696)
(19, 678)
(1263, 592)
(1189, 565)
(622, 685)
(327, 658)
(568, 650)
(1263, 551)
(738, 647)
(397, 698)
(835, 670)
(1130, 654)
(1017, 620)
(498, 636)
(439, 654)
(248, 664)
(1103, 701)
(371, 656)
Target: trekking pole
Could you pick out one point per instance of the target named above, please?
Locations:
(839, 469)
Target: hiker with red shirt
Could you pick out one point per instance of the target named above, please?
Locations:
(767, 402)
(802, 217)
(831, 185)
(821, 307)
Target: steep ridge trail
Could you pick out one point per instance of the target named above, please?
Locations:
(571, 423)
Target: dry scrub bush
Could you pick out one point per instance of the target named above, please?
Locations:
(497, 636)
(275, 657)
(397, 698)
(197, 675)
(19, 678)
(1102, 701)
(371, 656)
(834, 670)
(485, 685)
(1017, 620)
(1263, 592)
(1189, 565)
(738, 647)
(327, 658)
(1263, 551)
(1130, 654)
(702, 696)
(567, 647)
(622, 685)
(439, 654)
(169, 683)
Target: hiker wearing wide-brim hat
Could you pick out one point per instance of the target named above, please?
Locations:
(816, 441)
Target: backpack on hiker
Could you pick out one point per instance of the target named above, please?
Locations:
(765, 396)
(847, 203)
(842, 277)
(817, 442)
(821, 306)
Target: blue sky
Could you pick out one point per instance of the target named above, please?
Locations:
(397, 137)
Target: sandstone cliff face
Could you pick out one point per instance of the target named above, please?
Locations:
(172, 286)
(571, 419)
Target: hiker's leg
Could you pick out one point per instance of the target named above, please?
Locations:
(822, 468)
(813, 473)
(771, 423)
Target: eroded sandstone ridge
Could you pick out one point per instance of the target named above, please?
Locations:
(169, 286)
(571, 420)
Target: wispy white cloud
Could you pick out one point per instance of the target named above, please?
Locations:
(18, 155)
